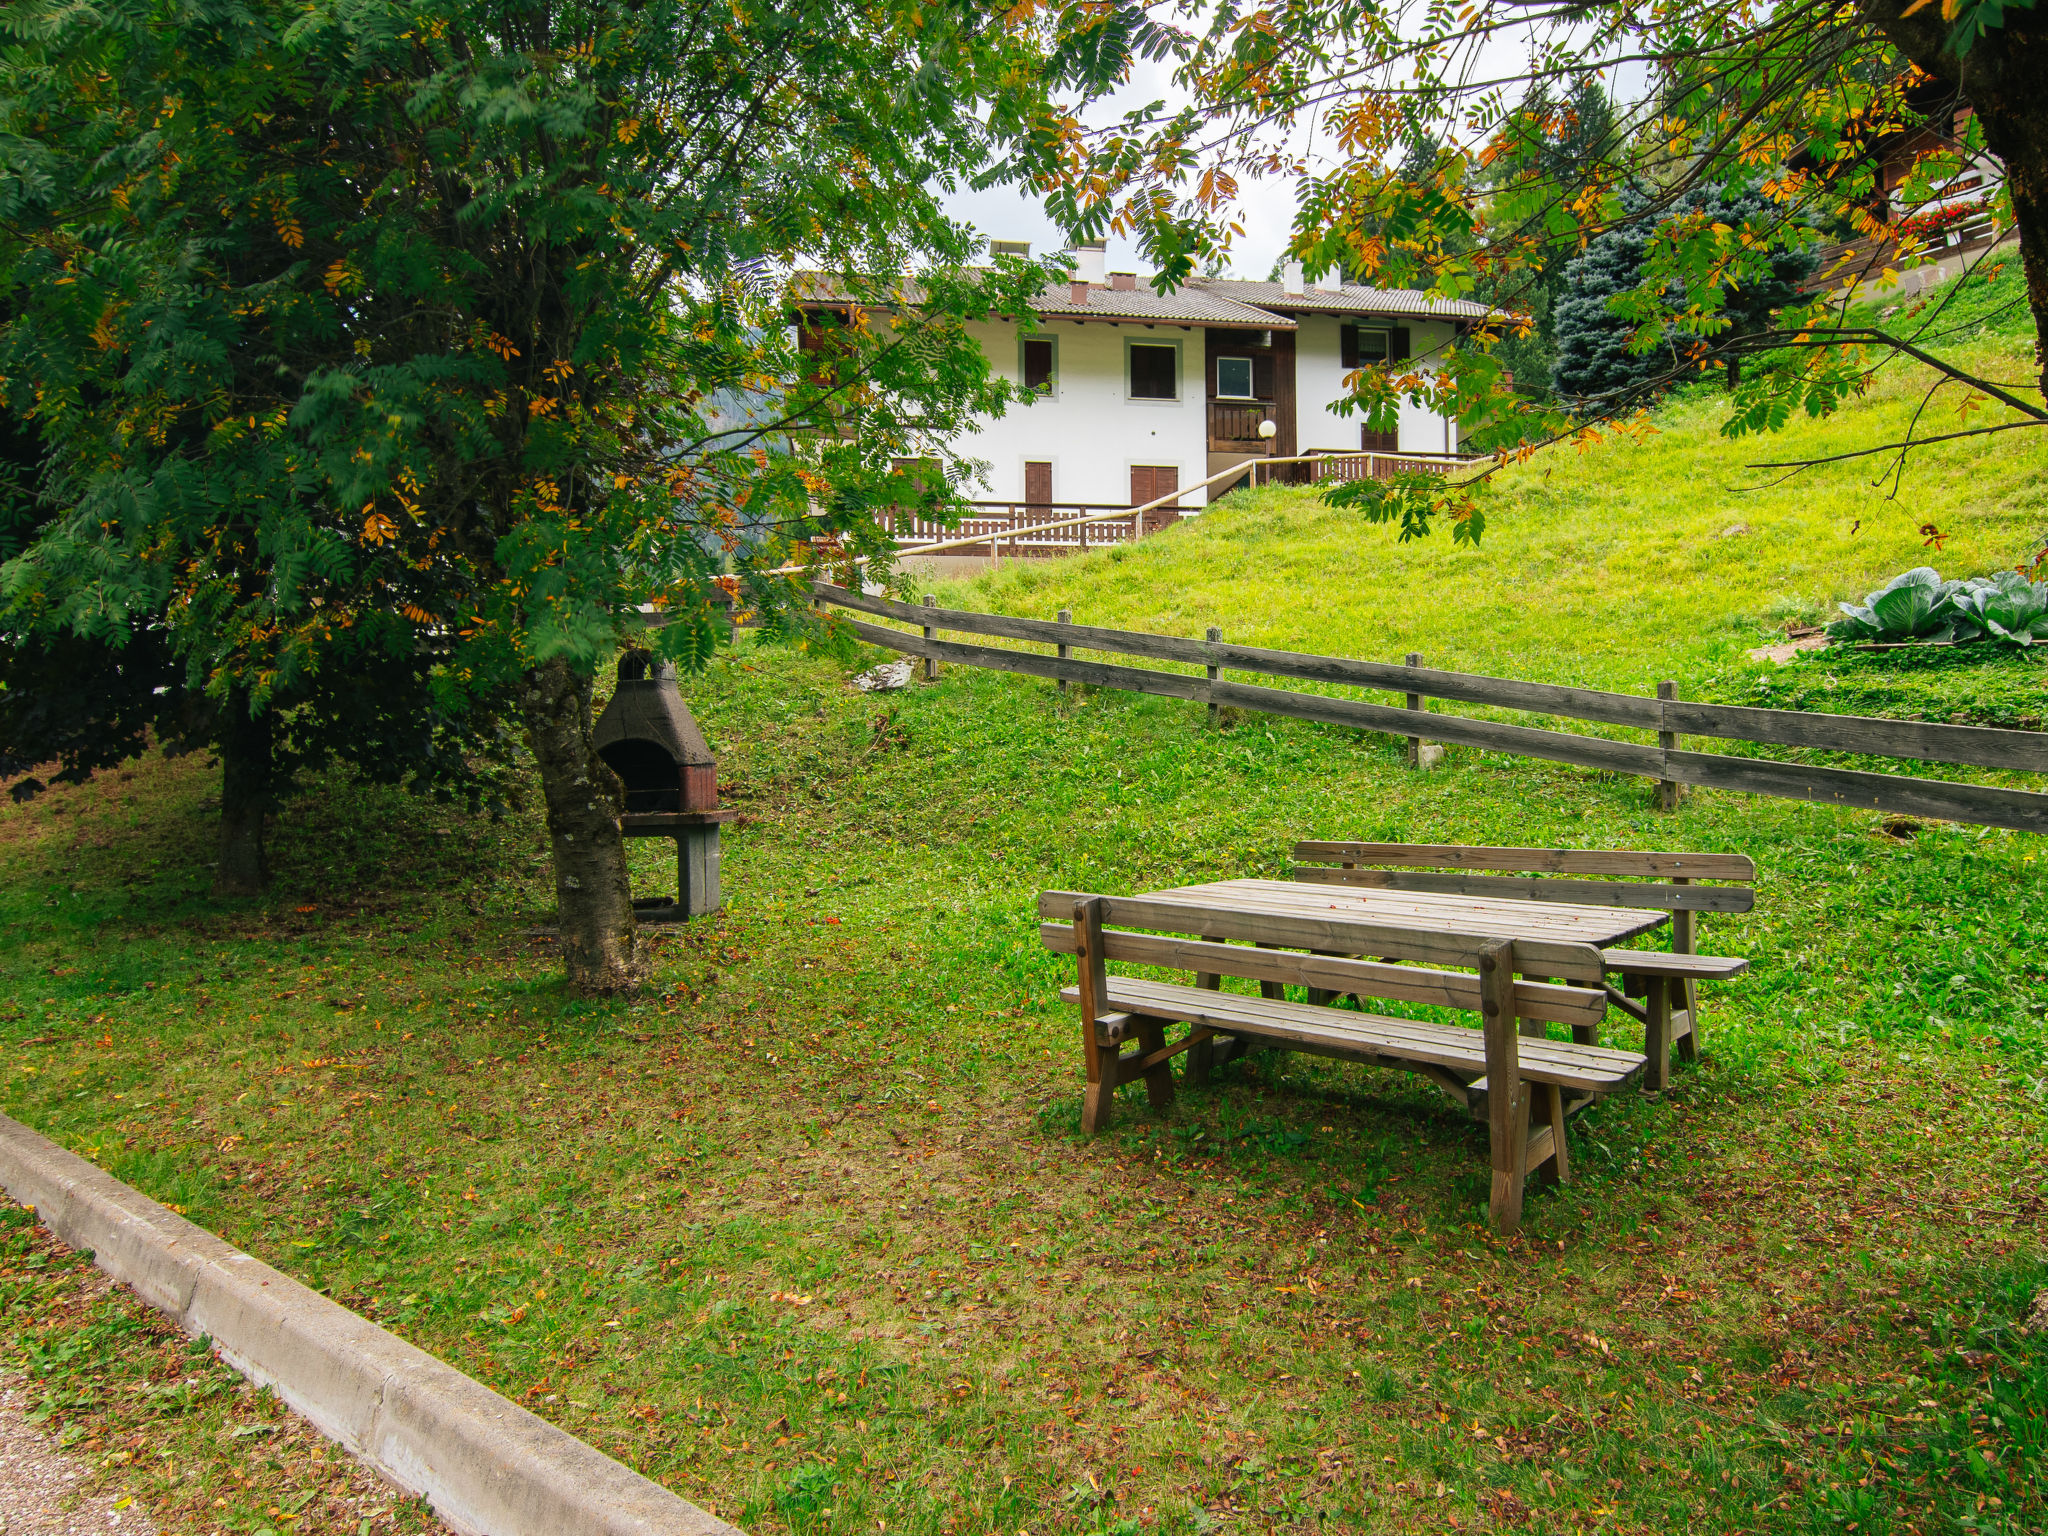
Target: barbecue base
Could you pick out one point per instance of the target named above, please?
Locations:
(696, 838)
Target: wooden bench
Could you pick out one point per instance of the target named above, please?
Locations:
(1507, 1073)
(1660, 991)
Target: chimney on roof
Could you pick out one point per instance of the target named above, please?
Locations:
(1089, 261)
(1077, 292)
(1290, 280)
(1125, 281)
(1020, 248)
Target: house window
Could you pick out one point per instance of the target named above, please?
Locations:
(1363, 346)
(1155, 370)
(1040, 368)
(1234, 379)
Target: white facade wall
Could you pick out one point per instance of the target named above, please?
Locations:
(1319, 381)
(1092, 432)
(1089, 429)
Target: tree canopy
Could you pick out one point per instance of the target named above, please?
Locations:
(464, 330)
(1777, 113)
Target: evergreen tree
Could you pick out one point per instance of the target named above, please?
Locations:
(1593, 356)
(1749, 306)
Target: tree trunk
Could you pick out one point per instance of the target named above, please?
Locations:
(246, 791)
(2002, 79)
(593, 894)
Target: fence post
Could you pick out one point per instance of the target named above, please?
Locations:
(1215, 637)
(1415, 703)
(1667, 789)
(931, 633)
(1137, 526)
(1065, 650)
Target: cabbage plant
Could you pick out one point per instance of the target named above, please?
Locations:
(2006, 607)
(1919, 605)
(1915, 605)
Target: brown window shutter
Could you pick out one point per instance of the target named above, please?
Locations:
(1141, 484)
(1038, 483)
(1347, 345)
(1400, 353)
(1370, 441)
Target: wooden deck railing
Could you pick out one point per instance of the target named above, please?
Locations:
(1035, 529)
(1666, 716)
(1015, 528)
(1865, 261)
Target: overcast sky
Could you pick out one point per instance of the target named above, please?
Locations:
(1007, 213)
(1267, 212)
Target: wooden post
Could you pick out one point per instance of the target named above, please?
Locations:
(1101, 1060)
(1415, 703)
(931, 665)
(1065, 650)
(1215, 637)
(1137, 526)
(1507, 1103)
(1667, 789)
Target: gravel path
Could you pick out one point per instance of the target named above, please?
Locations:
(39, 1484)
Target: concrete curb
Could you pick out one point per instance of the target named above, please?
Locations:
(488, 1467)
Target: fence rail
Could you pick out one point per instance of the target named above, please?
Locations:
(1670, 717)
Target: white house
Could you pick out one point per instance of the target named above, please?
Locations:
(1139, 393)
(1136, 394)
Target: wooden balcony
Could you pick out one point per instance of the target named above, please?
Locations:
(1234, 425)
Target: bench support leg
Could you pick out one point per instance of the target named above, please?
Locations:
(1557, 1168)
(1097, 1101)
(1657, 1035)
(1684, 941)
(1507, 1101)
(1101, 1059)
(1202, 1054)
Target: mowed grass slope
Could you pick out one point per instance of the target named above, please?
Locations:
(1655, 553)
(809, 1232)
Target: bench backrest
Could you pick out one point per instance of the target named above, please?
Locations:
(1450, 868)
(1195, 939)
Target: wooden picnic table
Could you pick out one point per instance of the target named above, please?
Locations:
(1495, 916)
(1655, 976)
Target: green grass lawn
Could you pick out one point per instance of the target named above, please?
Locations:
(809, 1233)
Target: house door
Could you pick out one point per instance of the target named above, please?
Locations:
(1038, 487)
(1152, 480)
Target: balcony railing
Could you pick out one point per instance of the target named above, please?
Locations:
(1234, 424)
(994, 524)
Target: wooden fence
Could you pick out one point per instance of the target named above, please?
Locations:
(1667, 715)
